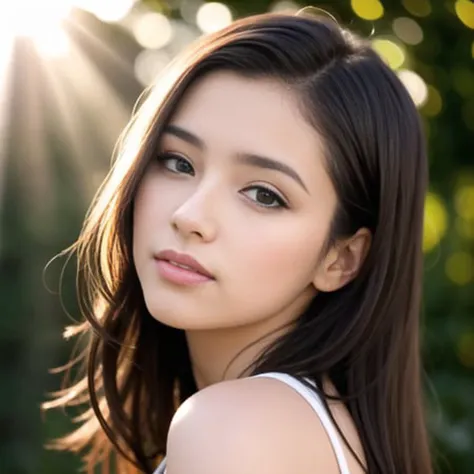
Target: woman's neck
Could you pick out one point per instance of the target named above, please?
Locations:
(228, 353)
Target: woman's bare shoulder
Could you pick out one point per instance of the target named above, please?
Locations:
(248, 425)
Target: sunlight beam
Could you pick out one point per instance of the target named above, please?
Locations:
(82, 96)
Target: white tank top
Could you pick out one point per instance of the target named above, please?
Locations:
(315, 401)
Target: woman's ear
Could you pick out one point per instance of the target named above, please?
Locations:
(343, 261)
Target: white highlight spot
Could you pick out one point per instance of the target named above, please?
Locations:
(153, 30)
(213, 17)
(415, 85)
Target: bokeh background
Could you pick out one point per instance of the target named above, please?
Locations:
(70, 73)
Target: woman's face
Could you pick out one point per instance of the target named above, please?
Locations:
(239, 184)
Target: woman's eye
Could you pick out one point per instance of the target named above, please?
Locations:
(176, 163)
(264, 197)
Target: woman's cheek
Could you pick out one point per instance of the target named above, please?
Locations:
(289, 250)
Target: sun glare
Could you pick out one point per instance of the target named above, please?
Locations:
(57, 87)
(40, 21)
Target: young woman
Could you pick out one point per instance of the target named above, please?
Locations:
(250, 270)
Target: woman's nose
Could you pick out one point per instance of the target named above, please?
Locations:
(197, 215)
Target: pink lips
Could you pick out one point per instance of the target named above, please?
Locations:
(181, 269)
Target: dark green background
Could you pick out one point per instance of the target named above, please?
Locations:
(52, 162)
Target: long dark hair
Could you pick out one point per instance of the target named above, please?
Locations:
(365, 336)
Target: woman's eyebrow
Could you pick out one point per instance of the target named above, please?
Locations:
(184, 135)
(250, 159)
(259, 161)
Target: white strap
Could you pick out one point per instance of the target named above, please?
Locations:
(315, 401)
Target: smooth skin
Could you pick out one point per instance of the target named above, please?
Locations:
(240, 183)
(252, 426)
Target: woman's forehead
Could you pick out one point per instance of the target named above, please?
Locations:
(228, 111)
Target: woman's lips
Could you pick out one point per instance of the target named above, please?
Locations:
(179, 275)
(184, 261)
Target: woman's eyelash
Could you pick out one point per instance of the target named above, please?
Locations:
(165, 158)
(267, 193)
